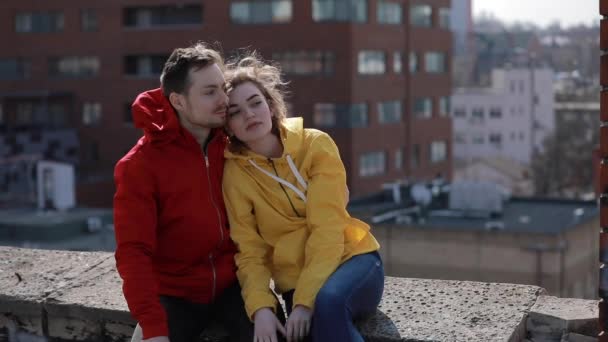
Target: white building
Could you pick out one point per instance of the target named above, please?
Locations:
(506, 172)
(498, 121)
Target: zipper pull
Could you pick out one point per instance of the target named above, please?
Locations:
(207, 161)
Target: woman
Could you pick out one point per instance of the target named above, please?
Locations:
(285, 192)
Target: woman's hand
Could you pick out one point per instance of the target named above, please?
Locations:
(298, 323)
(266, 325)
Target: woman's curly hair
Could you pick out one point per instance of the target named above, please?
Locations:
(265, 76)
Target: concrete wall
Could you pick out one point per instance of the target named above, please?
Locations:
(495, 257)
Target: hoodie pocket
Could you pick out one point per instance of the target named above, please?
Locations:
(288, 255)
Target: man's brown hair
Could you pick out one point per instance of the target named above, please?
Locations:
(174, 78)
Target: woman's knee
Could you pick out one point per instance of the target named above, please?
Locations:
(329, 302)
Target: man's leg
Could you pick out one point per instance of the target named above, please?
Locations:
(352, 291)
(230, 312)
(186, 319)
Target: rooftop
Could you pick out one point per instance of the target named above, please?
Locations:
(74, 229)
(518, 215)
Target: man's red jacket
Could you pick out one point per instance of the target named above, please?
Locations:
(169, 216)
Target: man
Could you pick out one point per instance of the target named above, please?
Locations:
(174, 251)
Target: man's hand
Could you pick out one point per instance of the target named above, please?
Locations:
(266, 325)
(157, 339)
(298, 323)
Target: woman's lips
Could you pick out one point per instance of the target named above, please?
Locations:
(253, 125)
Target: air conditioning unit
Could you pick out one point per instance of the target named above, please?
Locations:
(55, 186)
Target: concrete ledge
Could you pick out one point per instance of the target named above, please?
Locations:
(563, 319)
(77, 296)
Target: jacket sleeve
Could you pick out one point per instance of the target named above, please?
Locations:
(253, 254)
(135, 212)
(326, 216)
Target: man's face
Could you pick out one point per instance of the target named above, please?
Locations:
(206, 101)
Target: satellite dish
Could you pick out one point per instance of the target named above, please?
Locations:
(421, 194)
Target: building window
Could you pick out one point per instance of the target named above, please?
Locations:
(88, 20)
(423, 107)
(459, 112)
(444, 18)
(339, 10)
(14, 69)
(444, 106)
(358, 115)
(31, 22)
(460, 138)
(340, 115)
(372, 164)
(495, 112)
(306, 62)
(40, 114)
(389, 12)
(91, 113)
(495, 139)
(145, 17)
(324, 115)
(413, 62)
(74, 67)
(371, 62)
(415, 162)
(127, 117)
(261, 12)
(521, 86)
(521, 136)
(478, 138)
(439, 151)
(477, 113)
(144, 65)
(389, 112)
(94, 151)
(421, 16)
(397, 62)
(399, 159)
(434, 62)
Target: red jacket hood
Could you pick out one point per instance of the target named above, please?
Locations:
(153, 113)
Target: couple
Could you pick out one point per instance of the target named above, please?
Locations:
(223, 194)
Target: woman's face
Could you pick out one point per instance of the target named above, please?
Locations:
(249, 116)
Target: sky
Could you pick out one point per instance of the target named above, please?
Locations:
(540, 12)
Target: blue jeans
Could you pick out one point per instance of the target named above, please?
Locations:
(353, 291)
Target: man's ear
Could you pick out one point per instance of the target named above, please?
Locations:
(177, 101)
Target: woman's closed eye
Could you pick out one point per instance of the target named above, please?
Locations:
(234, 113)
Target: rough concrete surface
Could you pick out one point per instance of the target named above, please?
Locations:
(77, 296)
(552, 317)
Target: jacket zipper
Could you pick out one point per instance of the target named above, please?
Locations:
(219, 216)
(282, 187)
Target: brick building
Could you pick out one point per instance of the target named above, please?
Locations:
(374, 74)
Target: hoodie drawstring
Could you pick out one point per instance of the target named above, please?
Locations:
(295, 172)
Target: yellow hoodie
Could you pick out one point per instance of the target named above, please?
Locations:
(298, 242)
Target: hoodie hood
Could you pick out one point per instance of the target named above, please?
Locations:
(153, 113)
(292, 137)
